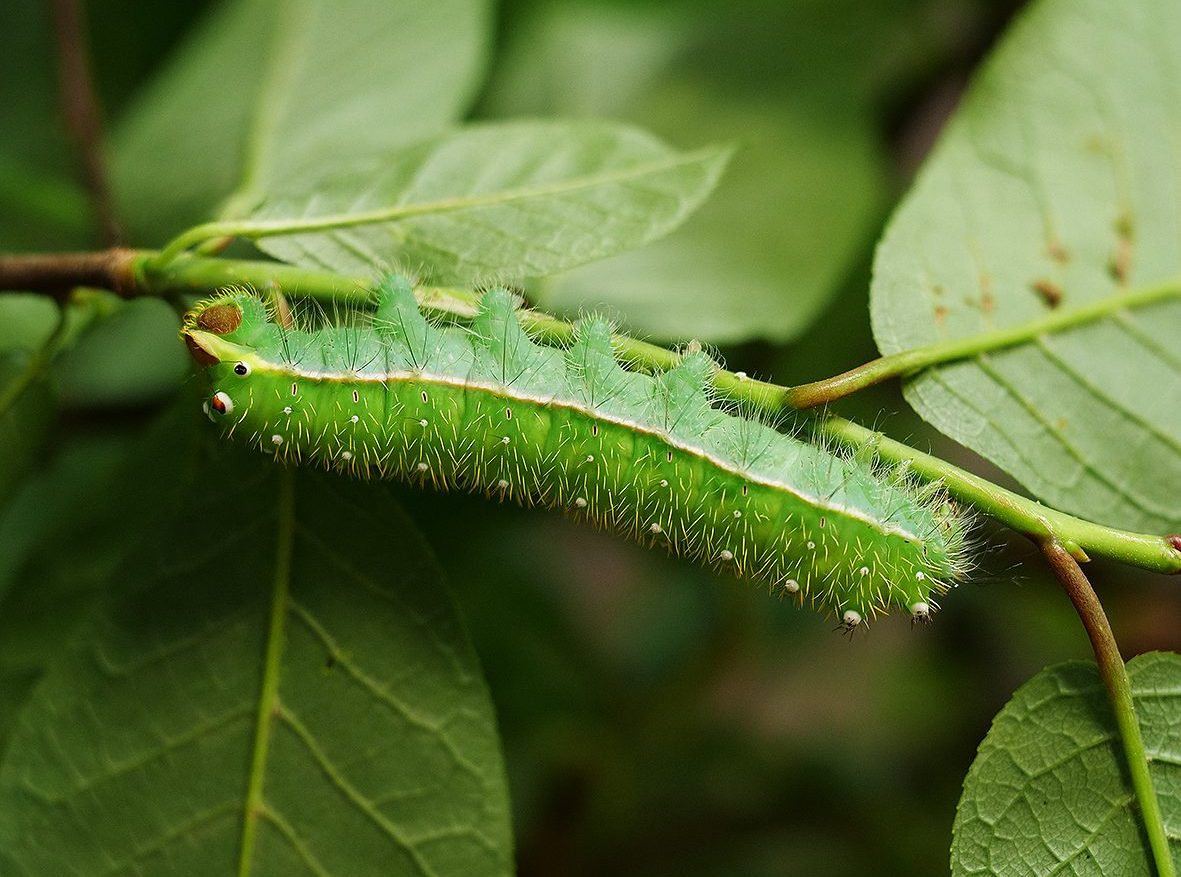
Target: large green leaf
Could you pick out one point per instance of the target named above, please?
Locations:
(1058, 184)
(1049, 792)
(517, 199)
(60, 540)
(279, 687)
(267, 91)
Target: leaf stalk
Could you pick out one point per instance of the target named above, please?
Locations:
(1119, 693)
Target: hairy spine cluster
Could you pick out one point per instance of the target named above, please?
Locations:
(487, 409)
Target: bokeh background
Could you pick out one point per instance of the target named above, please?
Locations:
(656, 720)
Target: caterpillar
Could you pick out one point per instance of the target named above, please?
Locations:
(486, 408)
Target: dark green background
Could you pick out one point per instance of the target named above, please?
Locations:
(656, 721)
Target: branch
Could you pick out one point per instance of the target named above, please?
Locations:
(144, 272)
(910, 361)
(80, 107)
(1119, 693)
(58, 273)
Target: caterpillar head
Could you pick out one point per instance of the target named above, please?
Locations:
(215, 332)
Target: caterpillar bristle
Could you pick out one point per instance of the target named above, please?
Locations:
(386, 392)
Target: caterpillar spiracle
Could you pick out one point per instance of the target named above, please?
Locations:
(487, 409)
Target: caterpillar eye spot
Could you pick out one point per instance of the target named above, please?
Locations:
(241, 369)
(221, 403)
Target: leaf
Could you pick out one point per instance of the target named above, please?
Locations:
(28, 405)
(1055, 185)
(27, 412)
(520, 199)
(131, 356)
(59, 544)
(803, 195)
(1049, 793)
(265, 92)
(735, 271)
(280, 686)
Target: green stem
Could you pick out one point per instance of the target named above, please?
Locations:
(910, 361)
(1119, 693)
(144, 273)
(1080, 537)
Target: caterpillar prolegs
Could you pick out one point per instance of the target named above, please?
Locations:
(485, 408)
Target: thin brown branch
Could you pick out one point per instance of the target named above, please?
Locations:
(58, 273)
(80, 107)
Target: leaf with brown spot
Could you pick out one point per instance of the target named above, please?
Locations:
(1056, 175)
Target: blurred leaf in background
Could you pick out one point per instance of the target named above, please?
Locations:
(260, 92)
(656, 720)
(800, 87)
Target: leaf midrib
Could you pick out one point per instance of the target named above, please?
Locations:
(272, 228)
(291, 24)
(268, 698)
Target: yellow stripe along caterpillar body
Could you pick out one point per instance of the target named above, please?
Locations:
(486, 408)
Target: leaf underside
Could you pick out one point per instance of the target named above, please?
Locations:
(1057, 184)
(495, 201)
(266, 92)
(233, 714)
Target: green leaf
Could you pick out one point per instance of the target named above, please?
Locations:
(266, 92)
(28, 405)
(520, 199)
(27, 412)
(1056, 185)
(280, 686)
(130, 356)
(1049, 793)
(59, 544)
(735, 271)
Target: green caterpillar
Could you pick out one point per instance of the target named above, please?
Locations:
(487, 409)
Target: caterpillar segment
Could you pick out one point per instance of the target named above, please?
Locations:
(484, 408)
